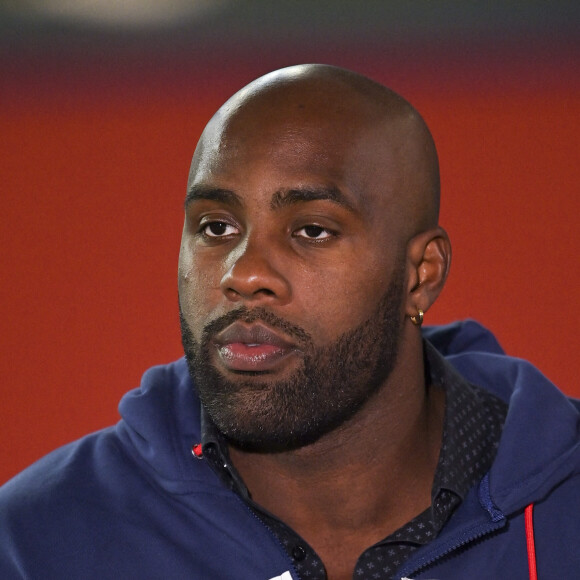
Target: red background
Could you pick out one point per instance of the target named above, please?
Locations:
(95, 154)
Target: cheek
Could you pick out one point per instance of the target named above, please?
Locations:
(335, 301)
(198, 286)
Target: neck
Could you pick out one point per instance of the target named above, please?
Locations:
(364, 480)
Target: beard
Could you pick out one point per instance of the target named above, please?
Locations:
(331, 385)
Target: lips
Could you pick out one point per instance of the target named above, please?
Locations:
(252, 347)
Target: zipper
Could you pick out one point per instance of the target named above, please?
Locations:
(496, 521)
(476, 534)
(198, 453)
(291, 568)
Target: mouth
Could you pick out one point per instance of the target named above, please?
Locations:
(254, 348)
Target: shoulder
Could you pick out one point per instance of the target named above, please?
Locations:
(90, 510)
(54, 501)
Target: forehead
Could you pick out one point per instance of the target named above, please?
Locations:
(295, 144)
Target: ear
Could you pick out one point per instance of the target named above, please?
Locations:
(428, 262)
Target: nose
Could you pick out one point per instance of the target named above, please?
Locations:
(255, 276)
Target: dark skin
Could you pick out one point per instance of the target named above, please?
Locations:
(317, 128)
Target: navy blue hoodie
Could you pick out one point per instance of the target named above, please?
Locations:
(131, 501)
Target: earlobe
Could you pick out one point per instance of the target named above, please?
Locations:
(429, 259)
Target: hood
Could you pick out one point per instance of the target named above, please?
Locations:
(160, 424)
(540, 444)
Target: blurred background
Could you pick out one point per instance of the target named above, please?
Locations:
(102, 103)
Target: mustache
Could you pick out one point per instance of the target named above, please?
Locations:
(258, 314)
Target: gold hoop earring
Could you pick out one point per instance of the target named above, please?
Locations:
(417, 320)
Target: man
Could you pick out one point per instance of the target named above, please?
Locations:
(332, 440)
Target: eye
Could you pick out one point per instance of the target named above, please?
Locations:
(312, 232)
(218, 229)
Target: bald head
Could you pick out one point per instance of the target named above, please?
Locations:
(334, 110)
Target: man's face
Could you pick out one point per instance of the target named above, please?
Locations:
(291, 277)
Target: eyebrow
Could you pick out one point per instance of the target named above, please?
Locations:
(280, 199)
(198, 192)
(288, 197)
